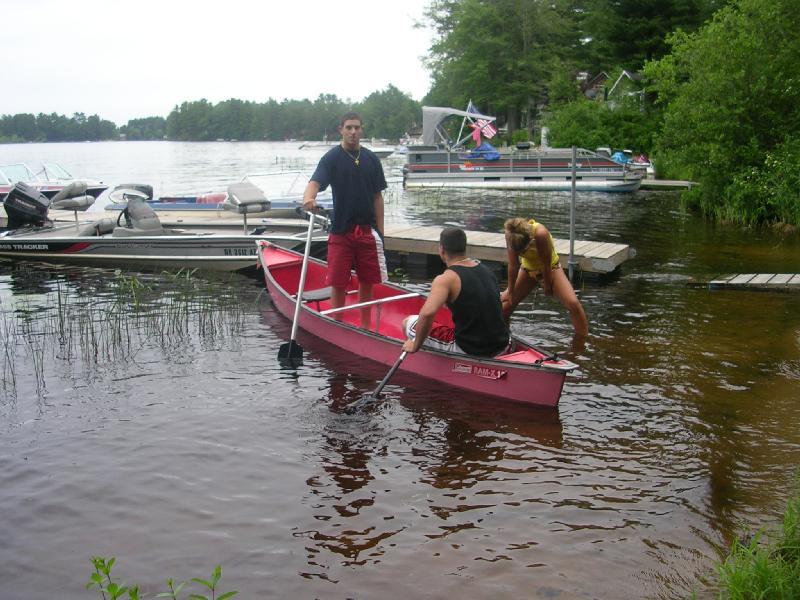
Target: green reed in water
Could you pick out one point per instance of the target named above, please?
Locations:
(110, 589)
(112, 323)
(756, 569)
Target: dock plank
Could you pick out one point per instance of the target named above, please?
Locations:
(783, 282)
(781, 279)
(741, 279)
(592, 257)
(761, 279)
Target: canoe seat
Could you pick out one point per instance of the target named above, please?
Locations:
(317, 295)
(321, 295)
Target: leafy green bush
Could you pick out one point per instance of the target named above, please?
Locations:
(520, 135)
(590, 124)
(732, 111)
(770, 192)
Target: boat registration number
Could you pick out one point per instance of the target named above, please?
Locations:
(240, 251)
(485, 372)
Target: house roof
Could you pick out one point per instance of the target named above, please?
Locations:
(631, 75)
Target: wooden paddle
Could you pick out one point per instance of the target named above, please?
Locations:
(291, 352)
(374, 396)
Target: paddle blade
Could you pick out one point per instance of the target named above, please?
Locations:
(361, 403)
(291, 352)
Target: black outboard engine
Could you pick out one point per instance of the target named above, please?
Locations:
(26, 206)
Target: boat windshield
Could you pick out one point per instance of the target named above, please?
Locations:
(280, 184)
(17, 172)
(54, 172)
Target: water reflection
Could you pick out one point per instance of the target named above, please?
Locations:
(455, 444)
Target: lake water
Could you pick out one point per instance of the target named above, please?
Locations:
(145, 416)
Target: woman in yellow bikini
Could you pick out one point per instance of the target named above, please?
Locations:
(532, 259)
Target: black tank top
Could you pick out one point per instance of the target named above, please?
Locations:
(477, 313)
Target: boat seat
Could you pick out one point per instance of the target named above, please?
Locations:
(320, 295)
(245, 198)
(74, 203)
(317, 295)
(73, 197)
(75, 189)
(140, 218)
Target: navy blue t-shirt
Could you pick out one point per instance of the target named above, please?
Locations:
(353, 186)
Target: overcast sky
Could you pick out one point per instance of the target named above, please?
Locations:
(122, 60)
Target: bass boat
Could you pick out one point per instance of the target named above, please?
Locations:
(522, 374)
(135, 239)
(276, 194)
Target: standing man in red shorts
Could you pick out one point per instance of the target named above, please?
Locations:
(356, 178)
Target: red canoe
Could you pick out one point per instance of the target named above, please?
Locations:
(524, 374)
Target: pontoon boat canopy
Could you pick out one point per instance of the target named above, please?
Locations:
(432, 117)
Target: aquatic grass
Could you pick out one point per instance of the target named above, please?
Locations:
(8, 377)
(112, 322)
(110, 589)
(757, 569)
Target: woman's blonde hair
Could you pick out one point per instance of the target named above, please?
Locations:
(519, 234)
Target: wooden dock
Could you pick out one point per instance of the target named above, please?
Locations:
(774, 282)
(591, 257)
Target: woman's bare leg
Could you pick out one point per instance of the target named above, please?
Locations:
(522, 287)
(562, 289)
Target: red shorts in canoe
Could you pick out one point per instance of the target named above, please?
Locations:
(360, 248)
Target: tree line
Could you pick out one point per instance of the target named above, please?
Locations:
(717, 102)
(387, 113)
(55, 128)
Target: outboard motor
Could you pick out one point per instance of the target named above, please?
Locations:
(26, 206)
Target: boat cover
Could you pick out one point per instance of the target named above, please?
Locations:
(485, 151)
(620, 157)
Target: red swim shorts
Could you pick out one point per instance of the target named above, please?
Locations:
(360, 248)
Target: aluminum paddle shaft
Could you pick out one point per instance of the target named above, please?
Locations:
(388, 375)
(292, 350)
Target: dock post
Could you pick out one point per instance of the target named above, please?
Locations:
(571, 262)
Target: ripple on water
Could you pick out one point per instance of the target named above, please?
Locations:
(176, 453)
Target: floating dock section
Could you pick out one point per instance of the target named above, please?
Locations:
(773, 282)
(591, 257)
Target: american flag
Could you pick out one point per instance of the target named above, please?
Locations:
(482, 125)
(486, 128)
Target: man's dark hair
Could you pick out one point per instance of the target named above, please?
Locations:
(453, 241)
(350, 116)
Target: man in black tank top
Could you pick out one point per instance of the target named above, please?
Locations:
(471, 292)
